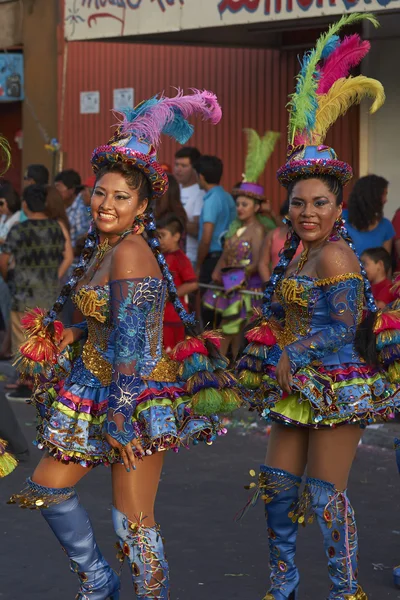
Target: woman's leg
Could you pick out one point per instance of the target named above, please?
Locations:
(279, 483)
(51, 490)
(330, 456)
(134, 495)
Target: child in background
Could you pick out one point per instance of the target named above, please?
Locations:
(169, 231)
(377, 264)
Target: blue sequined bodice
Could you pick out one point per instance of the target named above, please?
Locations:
(320, 318)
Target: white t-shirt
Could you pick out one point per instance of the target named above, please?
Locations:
(192, 200)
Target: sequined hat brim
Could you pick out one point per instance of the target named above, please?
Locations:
(155, 174)
(236, 192)
(296, 169)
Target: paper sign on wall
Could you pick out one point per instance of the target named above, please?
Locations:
(90, 103)
(123, 98)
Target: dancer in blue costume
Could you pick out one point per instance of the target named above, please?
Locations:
(121, 397)
(308, 367)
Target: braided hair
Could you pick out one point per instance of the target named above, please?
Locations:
(365, 339)
(137, 181)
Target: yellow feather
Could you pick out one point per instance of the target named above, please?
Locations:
(343, 94)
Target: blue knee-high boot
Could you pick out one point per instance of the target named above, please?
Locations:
(335, 516)
(71, 525)
(144, 548)
(280, 490)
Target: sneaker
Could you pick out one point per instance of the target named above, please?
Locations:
(22, 393)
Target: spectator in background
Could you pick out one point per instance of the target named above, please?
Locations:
(377, 264)
(218, 212)
(191, 196)
(69, 185)
(10, 205)
(36, 174)
(364, 218)
(37, 246)
(171, 203)
(273, 244)
(169, 231)
(396, 247)
(87, 191)
(55, 209)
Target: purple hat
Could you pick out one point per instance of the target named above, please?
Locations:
(250, 190)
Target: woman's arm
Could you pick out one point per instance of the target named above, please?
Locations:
(68, 252)
(132, 300)
(256, 245)
(4, 259)
(264, 263)
(344, 298)
(388, 245)
(221, 264)
(187, 288)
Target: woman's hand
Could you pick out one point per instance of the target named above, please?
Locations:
(283, 373)
(126, 452)
(69, 336)
(216, 276)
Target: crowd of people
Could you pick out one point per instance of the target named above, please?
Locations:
(228, 243)
(131, 374)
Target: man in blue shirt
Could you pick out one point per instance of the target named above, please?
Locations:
(218, 212)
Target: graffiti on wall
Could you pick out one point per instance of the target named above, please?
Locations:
(277, 6)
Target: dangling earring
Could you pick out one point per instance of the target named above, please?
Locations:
(139, 224)
(337, 229)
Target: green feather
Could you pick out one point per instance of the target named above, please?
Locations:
(258, 152)
(304, 99)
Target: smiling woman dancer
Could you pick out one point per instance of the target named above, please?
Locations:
(146, 402)
(304, 367)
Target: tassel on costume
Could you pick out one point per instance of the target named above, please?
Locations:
(387, 331)
(41, 348)
(250, 367)
(202, 366)
(7, 462)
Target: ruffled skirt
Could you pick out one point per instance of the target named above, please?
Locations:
(72, 417)
(327, 396)
(234, 307)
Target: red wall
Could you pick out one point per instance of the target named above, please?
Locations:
(252, 86)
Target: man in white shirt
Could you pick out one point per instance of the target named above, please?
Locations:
(191, 196)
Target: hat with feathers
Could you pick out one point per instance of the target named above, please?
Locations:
(324, 92)
(137, 136)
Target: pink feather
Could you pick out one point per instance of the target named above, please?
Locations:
(150, 124)
(346, 56)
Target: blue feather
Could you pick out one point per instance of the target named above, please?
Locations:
(179, 129)
(331, 45)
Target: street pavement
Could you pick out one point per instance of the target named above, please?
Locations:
(211, 557)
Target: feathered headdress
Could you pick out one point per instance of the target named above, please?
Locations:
(259, 150)
(138, 133)
(324, 92)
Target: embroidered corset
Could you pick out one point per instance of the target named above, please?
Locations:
(94, 304)
(238, 252)
(320, 318)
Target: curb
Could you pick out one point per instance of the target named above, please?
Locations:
(383, 437)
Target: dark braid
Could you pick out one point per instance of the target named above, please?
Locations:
(77, 274)
(289, 250)
(188, 319)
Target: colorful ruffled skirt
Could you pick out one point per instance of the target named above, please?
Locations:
(326, 396)
(235, 307)
(72, 407)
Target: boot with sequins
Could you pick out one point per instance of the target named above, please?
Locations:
(72, 527)
(280, 490)
(335, 516)
(143, 547)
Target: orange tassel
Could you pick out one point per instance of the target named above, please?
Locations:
(214, 337)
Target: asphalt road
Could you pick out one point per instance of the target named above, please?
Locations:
(211, 557)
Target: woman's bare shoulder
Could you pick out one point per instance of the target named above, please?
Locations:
(337, 258)
(133, 258)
